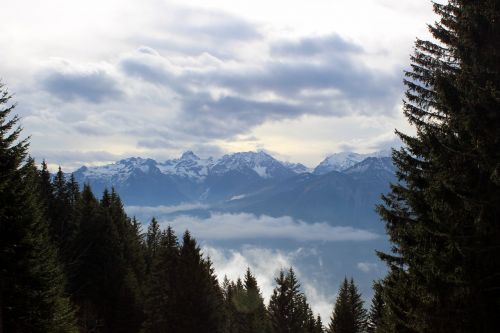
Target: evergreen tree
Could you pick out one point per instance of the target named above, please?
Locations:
(129, 307)
(256, 320)
(101, 287)
(287, 306)
(377, 316)
(348, 315)
(60, 211)
(342, 320)
(162, 295)
(244, 306)
(46, 190)
(153, 239)
(442, 216)
(318, 328)
(199, 303)
(32, 296)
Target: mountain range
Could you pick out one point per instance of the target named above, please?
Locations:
(342, 190)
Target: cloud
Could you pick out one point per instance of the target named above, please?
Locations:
(154, 143)
(311, 46)
(162, 210)
(69, 83)
(221, 226)
(216, 26)
(205, 89)
(74, 159)
(367, 267)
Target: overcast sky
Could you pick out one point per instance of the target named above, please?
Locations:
(96, 81)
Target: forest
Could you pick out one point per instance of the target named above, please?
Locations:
(71, 262)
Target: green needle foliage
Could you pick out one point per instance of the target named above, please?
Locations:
(348, 315)
(288, 309)
(443, 215)
(32, 282)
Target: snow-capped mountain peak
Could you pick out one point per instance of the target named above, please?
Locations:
(344, 160)
(188, 165)
(189, 155)
(261, 163)
(118, 171)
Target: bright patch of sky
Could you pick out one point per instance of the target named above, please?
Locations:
(97, 81)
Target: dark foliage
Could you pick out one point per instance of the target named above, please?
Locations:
(442, 216)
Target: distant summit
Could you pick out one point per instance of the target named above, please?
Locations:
(344, 160)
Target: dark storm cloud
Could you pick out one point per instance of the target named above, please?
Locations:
(93, 86)
(311, 46)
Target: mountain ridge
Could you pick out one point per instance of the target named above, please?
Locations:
(253, 182)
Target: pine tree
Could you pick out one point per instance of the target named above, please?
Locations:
(162, 295)
(442, 216)
(32, 296)
(377, 310)
(129, 308)
(245, 311)
(318, 328)
(200, 301)
(46, 190)
(60, 211)
(342, 320)
(153, 238)
(287, 306)
(256, 320)
(348, 315)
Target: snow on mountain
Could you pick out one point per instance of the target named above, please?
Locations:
(373, 164)
(344, 160)
(191, 167)
(118, 171)
(188, 166)
(261, 163)
(298, 168)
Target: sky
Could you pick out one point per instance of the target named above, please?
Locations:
(97, 81)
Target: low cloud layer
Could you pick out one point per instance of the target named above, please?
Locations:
(162, 210)
(220, 226)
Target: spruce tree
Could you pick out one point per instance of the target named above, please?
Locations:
(348, 315)
(288, 307)
(162, 294)
(377, 309)
(318, 328)
(442, 216)
(32, 283)
(245, 311)
(256, 320)
(342, 319)
(153, 240)
(200, 301)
